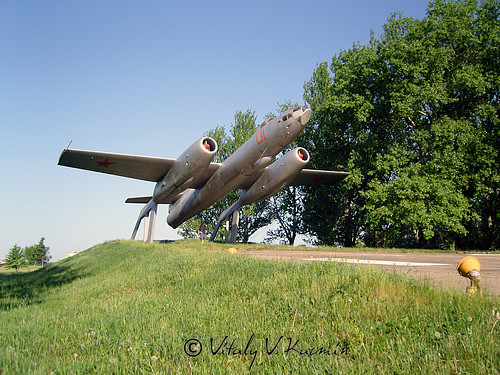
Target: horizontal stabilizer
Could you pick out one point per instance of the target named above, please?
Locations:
(142, 200)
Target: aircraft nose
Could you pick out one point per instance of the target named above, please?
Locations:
(305, 116)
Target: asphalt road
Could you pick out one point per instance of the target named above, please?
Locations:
(440, 268)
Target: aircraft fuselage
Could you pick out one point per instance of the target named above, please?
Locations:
(256, 153)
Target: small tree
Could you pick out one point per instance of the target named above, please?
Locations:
(287, 209)
(189, 228)
(37, 254)
(15, 258)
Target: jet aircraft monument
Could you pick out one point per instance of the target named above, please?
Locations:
(192, 182)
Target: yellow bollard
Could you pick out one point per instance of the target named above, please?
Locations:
(469, 267)
(468, 264)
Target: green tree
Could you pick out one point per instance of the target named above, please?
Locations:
(15, 258)
(286, 208)
(414, 116)
(38, 253)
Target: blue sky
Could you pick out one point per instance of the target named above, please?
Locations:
(143, 77)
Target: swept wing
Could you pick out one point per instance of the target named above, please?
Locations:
(145, 168)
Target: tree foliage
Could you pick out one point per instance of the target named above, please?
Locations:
(286, 208)
(38, 253)
(15, 258)
(414, 116)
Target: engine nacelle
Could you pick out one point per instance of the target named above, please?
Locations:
(179, 210)
(186, 168)
(276, 176)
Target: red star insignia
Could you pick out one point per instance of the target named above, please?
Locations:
(106, 163)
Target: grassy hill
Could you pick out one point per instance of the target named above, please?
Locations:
(130, 307)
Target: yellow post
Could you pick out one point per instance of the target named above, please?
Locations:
(469, 267)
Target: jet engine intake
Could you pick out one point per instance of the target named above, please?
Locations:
(276, 176)
(186, 168)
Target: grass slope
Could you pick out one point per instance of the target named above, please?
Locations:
(129, 307)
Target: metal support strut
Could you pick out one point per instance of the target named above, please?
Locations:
(234, 226)
(150, 209)
(234, 210)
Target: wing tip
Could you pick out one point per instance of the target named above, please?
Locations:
(61, 157)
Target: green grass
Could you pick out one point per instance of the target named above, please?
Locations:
(129, 307)
(5, 270)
